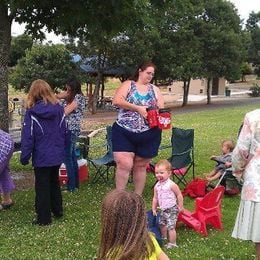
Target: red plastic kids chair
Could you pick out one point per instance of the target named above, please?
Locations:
(207, 211)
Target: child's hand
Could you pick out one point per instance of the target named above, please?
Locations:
(257, 152)
(154, 212)
(181, 208)
(205, 174)
(228, 164)
(208, 178)
(238, 175)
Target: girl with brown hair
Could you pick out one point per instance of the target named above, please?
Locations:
(124, 231)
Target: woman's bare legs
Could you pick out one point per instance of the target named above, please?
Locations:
(139, 173)
(124, 165)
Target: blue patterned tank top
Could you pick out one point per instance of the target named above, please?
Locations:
(132, 120)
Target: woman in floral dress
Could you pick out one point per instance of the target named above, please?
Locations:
(246, 164)
(74, 105)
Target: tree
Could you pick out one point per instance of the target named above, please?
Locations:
(5, 41)
(99, 39)
(164, 36)
(52, 63)
(19, 45)
(66, 17)
(246, 69)
(179, 50)
(253, 21)
(253, 26)
(222, 48)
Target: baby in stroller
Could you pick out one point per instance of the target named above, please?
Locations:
(223, 170)
(223, 161)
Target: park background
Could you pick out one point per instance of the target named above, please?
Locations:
(196, 39)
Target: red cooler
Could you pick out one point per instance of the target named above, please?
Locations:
(63, 178)
(152, 117)
(83, 172)
(164, 118)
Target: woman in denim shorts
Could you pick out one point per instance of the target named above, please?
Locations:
(134, 142)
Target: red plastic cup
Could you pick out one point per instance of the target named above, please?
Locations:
(164, 118)
(152, 117)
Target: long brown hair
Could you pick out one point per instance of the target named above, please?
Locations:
(40, 90)
(124, 232)
(143, 66)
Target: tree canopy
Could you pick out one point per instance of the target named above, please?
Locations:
(52, 63)
(19, 45)
(185, 38)
(66, 17)
(253, 26)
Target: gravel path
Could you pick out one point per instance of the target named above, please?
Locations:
(91, 121)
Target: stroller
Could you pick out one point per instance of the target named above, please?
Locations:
(232, 185)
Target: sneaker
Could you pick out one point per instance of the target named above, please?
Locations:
(36, 222)
(171, 245)
(58, 215)
(4, 206)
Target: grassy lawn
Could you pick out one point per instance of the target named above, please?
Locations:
(76, 235)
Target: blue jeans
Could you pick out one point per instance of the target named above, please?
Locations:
(71, 162)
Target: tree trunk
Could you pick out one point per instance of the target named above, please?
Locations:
(5, 42)
(243, 78)
(208, 91)
(186, 88)
(102, 88)
(97, 86)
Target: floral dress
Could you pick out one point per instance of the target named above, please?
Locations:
(246, 160)
(74, 119)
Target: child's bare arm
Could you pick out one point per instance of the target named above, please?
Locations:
(214, 177)
(177, 191)
(210, 174)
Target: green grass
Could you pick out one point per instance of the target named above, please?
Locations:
(76, 236)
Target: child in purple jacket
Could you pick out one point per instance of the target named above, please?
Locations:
(43, 139)
(6, 182)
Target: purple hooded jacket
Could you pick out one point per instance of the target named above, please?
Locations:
(43, 135)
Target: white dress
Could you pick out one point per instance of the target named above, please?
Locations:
(246, 159)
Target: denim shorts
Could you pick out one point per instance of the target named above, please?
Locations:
(144, 144)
